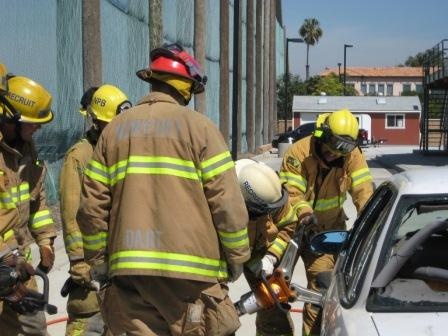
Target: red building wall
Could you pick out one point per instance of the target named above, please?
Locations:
(410, 135)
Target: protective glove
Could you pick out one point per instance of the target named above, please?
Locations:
(80, 274)
(267, 264)
(46, 257)
(310, 223)
(235, 271)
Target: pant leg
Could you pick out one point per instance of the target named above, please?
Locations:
(171, 307)
(90, 325)
(274, 322)
(314, 265)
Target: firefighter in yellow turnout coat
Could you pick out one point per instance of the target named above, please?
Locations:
(100, 105)
(162, 206)
(272, 223)
(24, 108)
(320, 170)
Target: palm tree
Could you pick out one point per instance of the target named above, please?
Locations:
(311, 32)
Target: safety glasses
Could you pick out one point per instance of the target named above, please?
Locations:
(340, 145)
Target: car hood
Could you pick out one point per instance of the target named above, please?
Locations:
(405, 324)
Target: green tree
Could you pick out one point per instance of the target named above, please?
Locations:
(329, 84)
(296, 87)
(311, 32)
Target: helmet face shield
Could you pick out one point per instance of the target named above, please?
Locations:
(257, 209)
(340, 144)
(173, 59)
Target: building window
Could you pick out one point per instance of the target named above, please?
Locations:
(418, 88)
(394, 120)
(381, 89)
(364, 88)
(372, 89)
(390, 89)
(406, 87)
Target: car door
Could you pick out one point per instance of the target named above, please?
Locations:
(342, 314)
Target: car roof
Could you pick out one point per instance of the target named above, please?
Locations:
(428, 180)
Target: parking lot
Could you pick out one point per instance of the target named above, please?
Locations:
(383, 161)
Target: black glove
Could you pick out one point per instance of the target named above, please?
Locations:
(310, 223)
(18, 262)
(29, 303)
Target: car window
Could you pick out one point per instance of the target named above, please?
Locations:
(412, 274)
(362, 241)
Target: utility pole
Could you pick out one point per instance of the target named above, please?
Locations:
(294, 40)
(345, 66)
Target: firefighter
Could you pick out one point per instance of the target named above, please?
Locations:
(272, 223)
(320, 169)
(100, 105)
(161, 211)
(25, 107)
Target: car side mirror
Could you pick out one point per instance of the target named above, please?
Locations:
(328, 242)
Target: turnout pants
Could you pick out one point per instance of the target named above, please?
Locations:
(314, 264)
(150, 305)
(84, 317)
(14, 324)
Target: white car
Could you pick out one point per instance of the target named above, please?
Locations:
(391, 276)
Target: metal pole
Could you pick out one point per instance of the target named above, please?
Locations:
(345, 69)
(345, 66)
(286, 85)
(339, 71)
(235, 91)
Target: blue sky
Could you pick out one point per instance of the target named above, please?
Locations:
(382, 32)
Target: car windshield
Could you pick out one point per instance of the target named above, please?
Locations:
(414, 271)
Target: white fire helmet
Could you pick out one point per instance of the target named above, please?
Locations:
(261, 187)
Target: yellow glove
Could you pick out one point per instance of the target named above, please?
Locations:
(46, 257)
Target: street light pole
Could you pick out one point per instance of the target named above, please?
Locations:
(345, 66)
(339, 71)
(294, 40)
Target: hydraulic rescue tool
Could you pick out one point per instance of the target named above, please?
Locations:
(277, 290)
(21, 299)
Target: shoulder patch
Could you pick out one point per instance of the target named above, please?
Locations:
(293, 162)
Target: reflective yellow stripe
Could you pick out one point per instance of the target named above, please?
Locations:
(150, 165)
(290, 217)
(95, 242)
(234, 239)
(73, 241)
(278, 246)
(97, 171)
(360, 176)
(329, 203)
(40, 219)
(8, 234)
(216, 165)
(10, 200)
(167, 261)
(294, 180)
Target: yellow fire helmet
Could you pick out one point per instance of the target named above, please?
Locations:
(3, 83)
(107, 102)
(27, 101)
(343, 122)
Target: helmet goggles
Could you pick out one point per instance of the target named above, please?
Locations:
(258, 209)
(342, 145)
(176, 53)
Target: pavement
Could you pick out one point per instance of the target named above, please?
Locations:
(383, 162)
